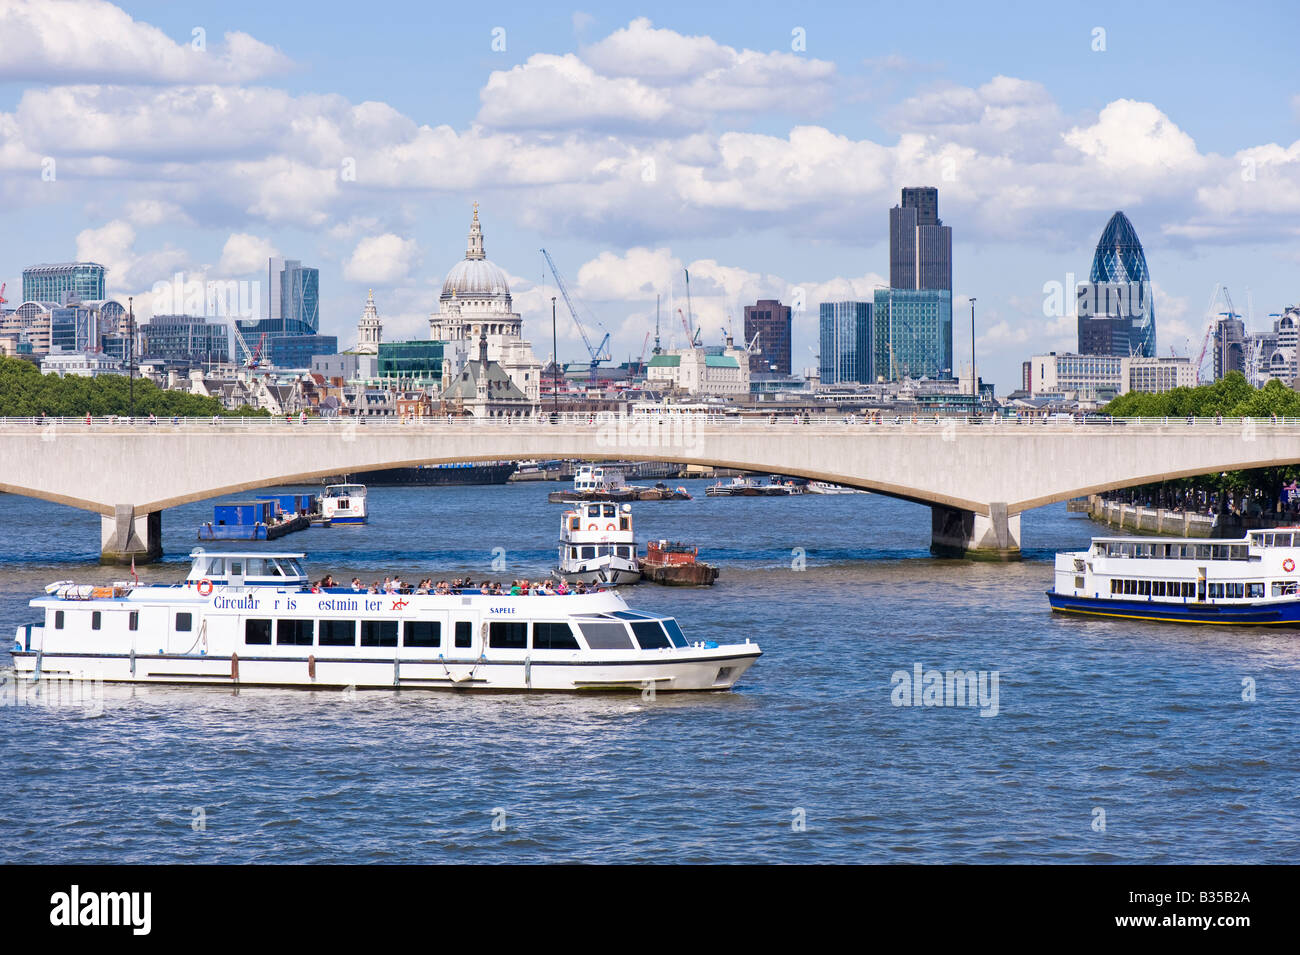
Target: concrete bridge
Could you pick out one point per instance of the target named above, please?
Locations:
(976, 477)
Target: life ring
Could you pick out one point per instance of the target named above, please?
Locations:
(1288, 565)
(205, 583)
(592, 527)
(609, 527)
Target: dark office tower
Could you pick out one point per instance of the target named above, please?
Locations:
(1229, 346)
(1116, 313)
(920, 245)
(770, 321)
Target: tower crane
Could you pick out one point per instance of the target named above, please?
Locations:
(599, 353)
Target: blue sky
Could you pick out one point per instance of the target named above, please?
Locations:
(632, 141)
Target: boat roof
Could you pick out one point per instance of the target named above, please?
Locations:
(286, 555)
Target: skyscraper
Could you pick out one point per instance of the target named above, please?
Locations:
(845, 343)
(1116, 313)
(293, 317)
(1229, 345)
(912, 330)
(920, 245)
(771, 322)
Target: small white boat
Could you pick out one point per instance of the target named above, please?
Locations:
(253, 619)
(598, 544)
(825, 487)
(344, 504)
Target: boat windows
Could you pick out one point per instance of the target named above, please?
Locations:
(96, 619)
(553, 636)
(624, 551)
(1282, 540)
(610, 510)
(294, 633)
(184, 622)
(1234, 590)
(422, 633)
(508, 635)
(650, 635)
(236, 568)
(1216, 590)
(337, 633)
(1255, 589)
(588, 553)
(257, 632)
(464, 634)
(256, 567)
(217, 567)
(133, 620)
(1284, 588)
(379, 633)
(674, 632)
(58, 620)
(606, 636)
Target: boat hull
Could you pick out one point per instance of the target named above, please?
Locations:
(1257, 614)
(705, 669)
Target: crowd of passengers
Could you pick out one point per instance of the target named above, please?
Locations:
(493, 588)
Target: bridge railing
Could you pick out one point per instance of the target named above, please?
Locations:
(712, 421)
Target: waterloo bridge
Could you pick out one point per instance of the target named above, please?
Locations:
(977, 477)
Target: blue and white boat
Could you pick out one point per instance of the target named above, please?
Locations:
(344, 503)
(1253, 581)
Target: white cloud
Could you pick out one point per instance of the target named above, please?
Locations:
(91, 40)
(381, 259)
(657, 55)
(1133, 137)
(244, 254)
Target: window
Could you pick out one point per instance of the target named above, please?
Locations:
(96, 619)
(1144, 588)
(1189, 589)
(422, 633)
(588, 553)
(606, 636)
(1284, 588)
(133, 620)
(236, 568)
(379, 633)
(1116, 585)
(508, 635)
(58, 620)
(184, 622)
(675, 632)
(553, 636)
(1282, 540)
(1255, 589)
(294, 633)
(650, 635)
(1234, 590)
(337, 633)
(257, 632)
(464, 634)
(1216, 590)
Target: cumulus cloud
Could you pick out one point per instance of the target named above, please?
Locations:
(381, 259)
(94, 41)
(244, 253)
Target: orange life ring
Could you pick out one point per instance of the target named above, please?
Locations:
(609, 527)
(1288, 565)
(592, 527)
(205, 583)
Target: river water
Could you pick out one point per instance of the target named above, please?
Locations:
(1109, 742)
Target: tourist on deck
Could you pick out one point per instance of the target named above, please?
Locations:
(562, 587)
(357, 585)
(515, 588)
(328, 581)
(484, 588)
(579, 588)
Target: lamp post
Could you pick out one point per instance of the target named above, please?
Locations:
(555, 364)
(974, 380)
(130, 353)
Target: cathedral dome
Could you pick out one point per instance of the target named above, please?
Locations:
(474, 277)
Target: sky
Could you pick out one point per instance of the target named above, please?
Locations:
(759, 145)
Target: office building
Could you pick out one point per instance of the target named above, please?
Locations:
(288, 333)
(64, 282)
(846, 345)
(1116, 314)
(187, 339)
(920, 245)
(1229, 345)
(770, 322)
(912, 334)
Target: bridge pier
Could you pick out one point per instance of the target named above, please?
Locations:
(128, 536)
(958, 533)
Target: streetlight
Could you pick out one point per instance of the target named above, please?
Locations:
(130, 353)
(974, 381)
(555, 364)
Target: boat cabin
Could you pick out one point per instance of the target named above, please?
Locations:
(597, 520)
(601, 478)
(251, 569)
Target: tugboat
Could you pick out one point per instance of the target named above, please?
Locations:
(605, 483)
(597, 545)
(675, 564)
(255, 619)
(344, 504)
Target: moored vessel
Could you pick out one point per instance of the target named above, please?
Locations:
(675, 564)
(1252, 581)
(598, 544)
(344, 503)
(253, 619)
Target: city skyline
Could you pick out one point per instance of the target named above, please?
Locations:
(661, 173)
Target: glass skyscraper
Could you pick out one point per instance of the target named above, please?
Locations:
(1116, 312)
(64, 282)
(293, 317)
(920, 245)
(846, 343)
(912, 333)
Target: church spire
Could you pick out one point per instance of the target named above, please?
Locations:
(475, 247)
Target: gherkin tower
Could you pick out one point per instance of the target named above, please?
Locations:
(1119, 259)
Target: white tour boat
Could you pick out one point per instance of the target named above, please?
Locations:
(253, 619)
(598, 544)
(1249, 581)
(344, 503)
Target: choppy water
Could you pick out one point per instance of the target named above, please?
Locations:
(1143, 721)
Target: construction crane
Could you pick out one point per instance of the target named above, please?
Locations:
(599, 353)
(3, 285)
(252, 356)
(692, 333)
